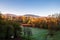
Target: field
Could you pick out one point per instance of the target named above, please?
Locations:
(41, 34)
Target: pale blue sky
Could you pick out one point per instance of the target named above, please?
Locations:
(37, 7)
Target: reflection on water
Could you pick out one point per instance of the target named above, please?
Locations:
(39, 34)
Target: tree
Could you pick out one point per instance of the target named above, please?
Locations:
(9, 28)
(17, 29)
(0, 16)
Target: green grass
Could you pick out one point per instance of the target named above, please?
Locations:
(41, 34)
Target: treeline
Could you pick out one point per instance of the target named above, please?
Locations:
(49, 22)
(9, 30)
(52, 23)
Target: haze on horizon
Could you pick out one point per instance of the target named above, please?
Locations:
(36, 7)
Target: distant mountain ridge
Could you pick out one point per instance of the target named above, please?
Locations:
(10, 15)
(28, 15)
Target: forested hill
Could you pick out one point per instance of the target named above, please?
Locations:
(49, 22)
(31, 15)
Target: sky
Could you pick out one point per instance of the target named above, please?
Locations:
(36, 7)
